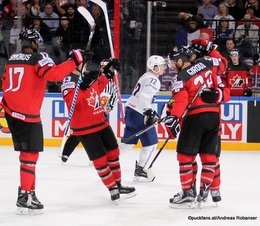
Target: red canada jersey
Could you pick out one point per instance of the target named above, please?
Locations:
(238, 78)
(24, 83)
(188, 82)
(88, 116)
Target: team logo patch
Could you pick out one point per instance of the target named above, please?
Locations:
(93, 100)
(237, 82)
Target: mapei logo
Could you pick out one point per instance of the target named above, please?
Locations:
(59, 117)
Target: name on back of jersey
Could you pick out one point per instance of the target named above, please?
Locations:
(20, 56)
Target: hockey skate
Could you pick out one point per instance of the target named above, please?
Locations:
(183, 200)
(28, 203)
(128, 192)
(115, 196)
(215, 194)
(64, 158)
(203, 195)
(141, 175)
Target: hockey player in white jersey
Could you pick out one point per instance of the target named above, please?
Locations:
(140, 114)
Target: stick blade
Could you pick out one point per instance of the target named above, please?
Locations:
(87, 15)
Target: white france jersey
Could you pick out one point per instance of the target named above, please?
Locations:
(145, 89)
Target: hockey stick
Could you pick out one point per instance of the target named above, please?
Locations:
(66, 132)
(86, 14)
(103, 6)
(127, 139)
(182, 116)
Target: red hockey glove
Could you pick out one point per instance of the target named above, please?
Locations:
(150, 116)
(202, 46)
(76, 55)
(172, 126)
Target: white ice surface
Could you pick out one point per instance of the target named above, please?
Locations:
(73, 194)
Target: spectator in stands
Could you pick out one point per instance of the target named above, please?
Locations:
(247, 36)
(235, 9)
(35, 7)
(208, 10)
(14, 37)
(223, 12)
(85, 3)
(59, 6)
(191, 29)
(251, 10)
(63, 35)
(103, 49)
(50, 18)
(9, 12)
(78, 25)
(238, 77)
(230, 45)
(26, 17)
(223, 32)
(43, 29)
(255, 5)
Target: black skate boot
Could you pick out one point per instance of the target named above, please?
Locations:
(193, 187)
(215, 194)
(64, 158)
(203, 194)
(114, 192)
(183, 199)
(141, 174)
(128, 191)
(26, 204)
(36, 201)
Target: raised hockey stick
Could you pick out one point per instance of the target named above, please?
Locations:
(182, 116)
(66, 132)
(86, 14)
(103, 6)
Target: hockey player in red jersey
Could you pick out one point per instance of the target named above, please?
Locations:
(24, 83)
(200, 48)
(91, 126)
(237, 76)
(199, 133)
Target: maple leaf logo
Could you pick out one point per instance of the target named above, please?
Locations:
(236, 81)
(93, 100)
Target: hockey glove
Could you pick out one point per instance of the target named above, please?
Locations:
(248, 92)
(108, 70)
(88, 79)
(76, 55)
(150, 116)
(209, 95)
(172, 126)
(202, 47)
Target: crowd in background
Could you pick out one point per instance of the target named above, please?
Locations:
(63, 28)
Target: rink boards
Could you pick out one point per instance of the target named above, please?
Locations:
(240, 124)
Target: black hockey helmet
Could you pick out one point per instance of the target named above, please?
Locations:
(28, 36)
(180, 52)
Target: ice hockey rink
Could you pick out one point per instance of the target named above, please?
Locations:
(73, 194)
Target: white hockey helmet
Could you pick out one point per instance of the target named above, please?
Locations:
(155, 60)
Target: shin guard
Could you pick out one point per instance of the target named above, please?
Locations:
(114, 164)
(208, 168)
(28, 162)
(186, 170)
(104, 172)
